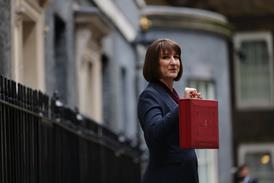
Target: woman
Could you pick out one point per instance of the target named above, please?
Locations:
(158, 116)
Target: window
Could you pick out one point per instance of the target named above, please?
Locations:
(207, 158)
(141, 82)
(205, 87)
(254, 70)
(28, 38)
(124, 98)
(90, 80)
(259, 158)
(89, 32)
(106, 97)
(60, 57)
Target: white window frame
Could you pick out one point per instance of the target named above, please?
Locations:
(90, 30)
(238, 38)
(20, 11)
(256, 148)
(89, 97)
(210, 160)
(140, 3)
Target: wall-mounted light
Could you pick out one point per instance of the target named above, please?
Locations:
(145, 23)
(265, 159)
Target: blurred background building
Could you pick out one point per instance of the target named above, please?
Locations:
(250, 67)
(92, 52)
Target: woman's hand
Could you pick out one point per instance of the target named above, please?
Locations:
(192, 93)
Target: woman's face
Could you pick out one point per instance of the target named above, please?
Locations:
(169, 63)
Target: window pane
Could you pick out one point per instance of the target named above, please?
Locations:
(205, 87)
(207, 158)
(261, 166)
(254, 72)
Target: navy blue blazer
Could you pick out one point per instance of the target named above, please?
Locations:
(158, 116)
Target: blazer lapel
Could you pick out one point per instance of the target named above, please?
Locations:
(167, 98)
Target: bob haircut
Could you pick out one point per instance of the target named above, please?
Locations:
(151, 69)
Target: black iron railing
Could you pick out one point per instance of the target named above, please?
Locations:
(42, 141)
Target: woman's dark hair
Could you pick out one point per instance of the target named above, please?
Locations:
(151, 69)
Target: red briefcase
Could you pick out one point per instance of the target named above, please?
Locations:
(198, 126)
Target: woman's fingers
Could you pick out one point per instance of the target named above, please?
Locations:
(199, 95)
(192, 93)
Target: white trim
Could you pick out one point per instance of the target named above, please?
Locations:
(122, 23)
(88, 54)
(238, 38)
(187, 18)
(140, 3)
(210, 158)
(22, 10)
(185, 12)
